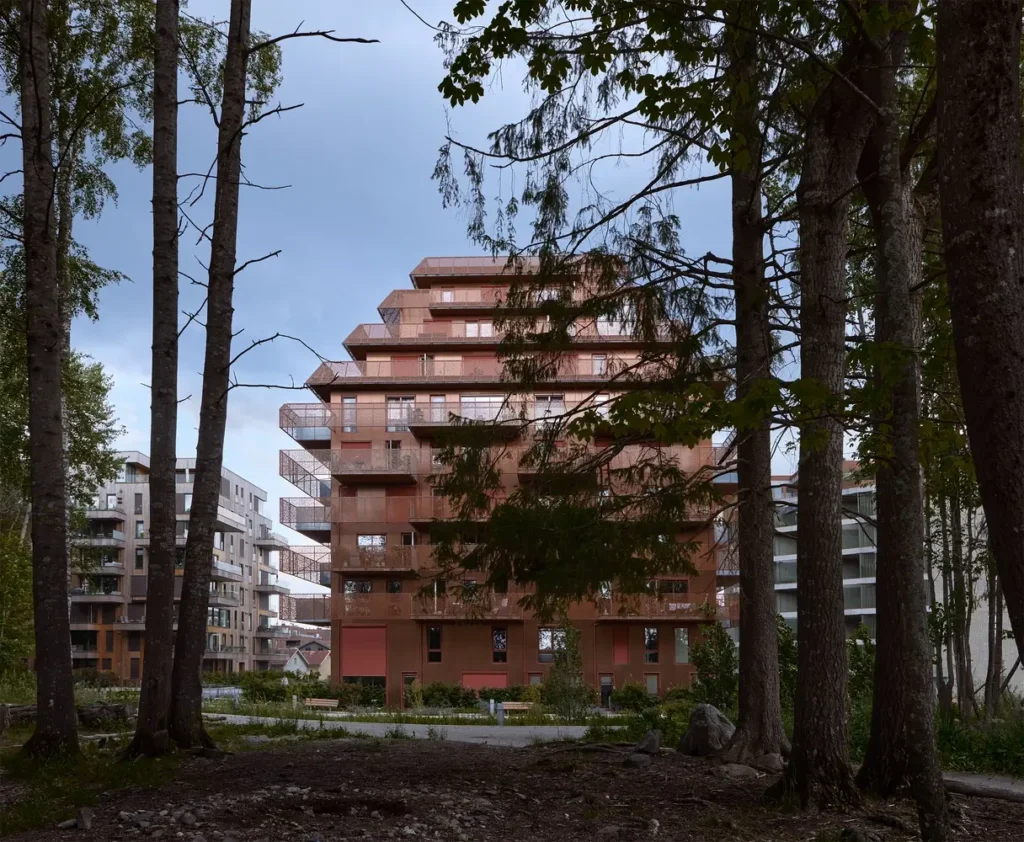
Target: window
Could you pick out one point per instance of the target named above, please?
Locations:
(408, 539)
(682, 645)
(438, 414)
(549, 406)
(105, 663)
(499, 645)
(134, 642)
(374, 543)
(549, 641)
(651, 682)
(354, 586)
(394, 585)
(600, 363)
(122, 473)
(434, 644)
(447, 296)
(111, 501)
(140, 558)
(650, 645)
(138, 504)
(674, 586)
(140, 529)
(484, 329)
(218, 540)
(231, 540)
(188, 502)
(603, 404)
(535, 678)
(398, 411)
(348, 415)
(110, 641)
(133, 672)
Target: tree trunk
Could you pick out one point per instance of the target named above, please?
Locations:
(943, 687)
(186, 719)
(56, 727)
(980, 191)
(964, 682)
(994, 671)
(759, 730)
(151, 733)
(819, 770)
(901, 747)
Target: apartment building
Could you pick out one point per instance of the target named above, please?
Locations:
(859, 551)
(367, 450)
(110, 560)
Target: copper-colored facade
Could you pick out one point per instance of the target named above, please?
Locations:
(367, 450)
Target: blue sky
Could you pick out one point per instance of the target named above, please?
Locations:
(359, 215)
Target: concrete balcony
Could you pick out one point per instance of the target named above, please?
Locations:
(114, 538)
(84, 595)
(271, 632)
(404, 606)
(451, 302)
(145, 541)
(229, 521)
(224, 571)
(662, 607)
(223, 600)
(224, 651)
(115, 514)
(275, 657)
(126, 624)
(270, 541)
(270, 588)
(78, 651)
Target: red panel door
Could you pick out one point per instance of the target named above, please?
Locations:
(476, 680)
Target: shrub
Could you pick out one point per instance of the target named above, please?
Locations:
(414, 694)
(565, 691)
(633, 696)
(678, 694)
(861, 660)
(96, 678)
(533, 693)
(515, 693)
(263, 687)
(437, 694)
(787, 664)
(671, 719)
(714, 659)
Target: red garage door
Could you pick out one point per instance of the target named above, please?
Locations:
(476, 680)
(363, 651)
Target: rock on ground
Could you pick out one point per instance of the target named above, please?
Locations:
(650, 743)
(709, 732)
(638, 761)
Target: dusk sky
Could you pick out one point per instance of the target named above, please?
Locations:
(360, 213)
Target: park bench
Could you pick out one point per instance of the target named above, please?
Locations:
(517, 707)
(321, 703)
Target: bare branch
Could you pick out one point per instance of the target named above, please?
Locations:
(257, 260)
(320, 33)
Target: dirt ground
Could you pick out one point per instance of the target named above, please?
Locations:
(344, 789)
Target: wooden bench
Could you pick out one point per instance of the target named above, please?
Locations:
(321, 703)
(516, 707)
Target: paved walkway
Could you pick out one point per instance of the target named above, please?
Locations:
(509, 735)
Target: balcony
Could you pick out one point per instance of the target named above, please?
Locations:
(271, 631)
(145, 541)
(312, 563)
(225, 571)
(224, 650)
(311, 517)
(270, 587)
(404, 606)
(229, 521)
(269, 540)
(275, 657)
(386, 559)
(106, 513)
(79, 651)
(308, 471)
(87, 595)
(308, 423)
(129, 624)
(315, 609)
(446, 334)
(645, 606)
(504, 419)
(221, 599)
(377, 466)
(465, 301)
(113, 538)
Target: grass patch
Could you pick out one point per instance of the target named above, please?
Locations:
(56, 789)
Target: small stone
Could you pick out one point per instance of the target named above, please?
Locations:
(188, 819)
(156, 834)
(315, 837)
(736, 771)
(256, 739)
(653, 826)
(199, 838)
(124, 816)
(650, 744)
(409, 830)
(68, 825)
(768, 763)
(142, 823)
(608, 832)
(375, 814)
(84, 819)
(638, 761)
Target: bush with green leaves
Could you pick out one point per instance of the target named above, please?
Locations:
(98, 679)
(861, 663)
(787, 664)
(633, 696)
(438, 694)
(715, 661)
(565, 691)
(515, 693)
(414, 694)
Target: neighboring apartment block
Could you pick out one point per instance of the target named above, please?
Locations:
(858, 551)
(110, 568)
(365, 458)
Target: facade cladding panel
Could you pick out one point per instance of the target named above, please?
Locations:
(363, 458)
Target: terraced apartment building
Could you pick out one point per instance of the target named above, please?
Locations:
(110, 567)
(367, 449)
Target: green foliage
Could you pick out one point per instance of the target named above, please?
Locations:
(861, 663)
(515, 693)
(414, 695)
(787, 664)
(266, 686)
(97, 679)
(633, 696)
(671, 718)
(565, 691)
(715, 661)
(18, 687)
(438, 694)
(16, 629)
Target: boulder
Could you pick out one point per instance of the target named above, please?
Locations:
(769, 763)
(735, 771)
(638, 761)
(709, 732)
(650, 744)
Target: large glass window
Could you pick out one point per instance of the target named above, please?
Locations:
(549, 641)
(348, 414)
(499, 645)
(650, 645)
(355, 586)
(434, 644)
(682, 641)
(549, 407)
